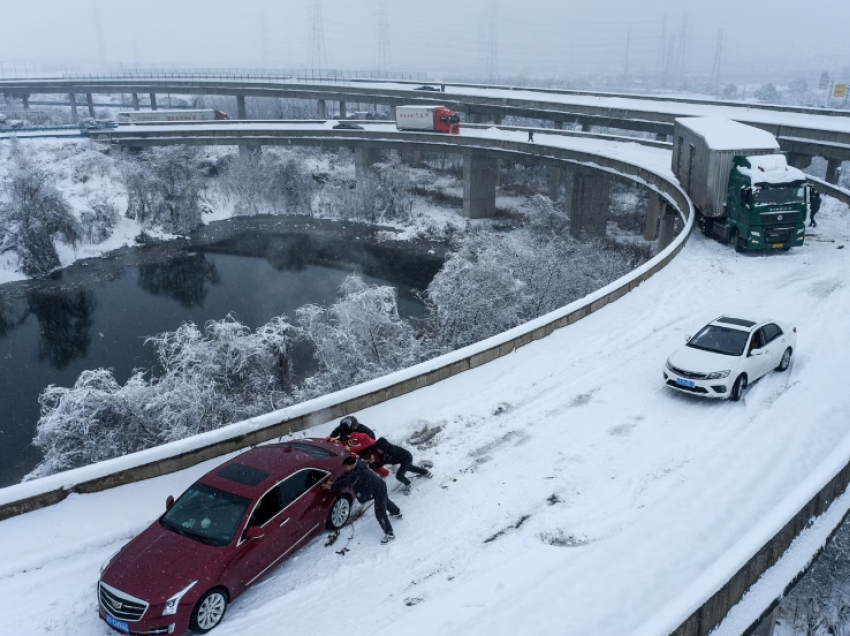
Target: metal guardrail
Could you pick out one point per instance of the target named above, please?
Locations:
(333, 76)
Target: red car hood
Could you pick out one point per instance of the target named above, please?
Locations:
(159, 563)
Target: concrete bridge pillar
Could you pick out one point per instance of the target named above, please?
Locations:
(590, 206)
(668, 225)
(660, 137)
(26, 100)
(653, 213)
(365, 158)
(73, 100)
(90, 104)
(480, 176)
(343, 110)
(832, 167)
(323, 109)
(241, 111)
(393, 113)
(135, 98)
(153, 101)
(585, 127)
(558, 125)
(553, 179)
(801, 162)
(497, 120)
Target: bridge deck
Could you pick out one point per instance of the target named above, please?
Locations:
(632, 492)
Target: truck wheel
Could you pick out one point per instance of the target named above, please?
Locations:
(707, 226)
(785, 362)
(339, 513)
(738, 388)
(737, 241)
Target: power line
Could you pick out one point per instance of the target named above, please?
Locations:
(318, 53)
(385, 59)
(662, 48)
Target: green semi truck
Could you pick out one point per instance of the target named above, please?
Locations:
(742, 187)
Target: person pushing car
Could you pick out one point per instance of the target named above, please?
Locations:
(391, 454)
(367, 486)
(349, 425)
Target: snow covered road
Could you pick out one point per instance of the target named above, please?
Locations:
(574, 494)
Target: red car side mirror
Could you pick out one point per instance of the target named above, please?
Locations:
(254, 532)
(169, 502)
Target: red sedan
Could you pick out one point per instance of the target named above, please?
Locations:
(226, 531)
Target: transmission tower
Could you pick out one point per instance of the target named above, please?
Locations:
(681, 58)
(628, 46)
(98, 32)
(318, 54)
(264, 41)
(492, 44)
(662, 48)
(718, 57)
(385, 57)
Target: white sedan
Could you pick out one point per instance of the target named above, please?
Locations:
(729, 354)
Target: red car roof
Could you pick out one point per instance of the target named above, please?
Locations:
(277, 461)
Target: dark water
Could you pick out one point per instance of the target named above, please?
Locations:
(98, 313)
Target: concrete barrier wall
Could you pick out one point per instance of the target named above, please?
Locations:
(29, 496)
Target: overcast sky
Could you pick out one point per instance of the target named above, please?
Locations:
(537, 37)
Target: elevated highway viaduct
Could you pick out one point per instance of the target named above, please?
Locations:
(645, 115)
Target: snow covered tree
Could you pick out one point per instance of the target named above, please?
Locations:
(164, 189)
(33, 213)
(768, 94)
(358, 338)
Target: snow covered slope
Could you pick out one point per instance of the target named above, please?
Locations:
(574, 495)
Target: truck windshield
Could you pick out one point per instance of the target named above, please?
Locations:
(454, 119)
(722, 340)
(779, 195)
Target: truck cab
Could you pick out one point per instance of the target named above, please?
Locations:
(766, 204)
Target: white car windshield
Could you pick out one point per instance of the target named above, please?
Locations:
(722, 340)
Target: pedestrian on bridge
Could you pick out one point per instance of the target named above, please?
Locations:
(531, 136)
(814, 206)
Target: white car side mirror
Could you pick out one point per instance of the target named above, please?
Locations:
(757, 352)
(687, 338)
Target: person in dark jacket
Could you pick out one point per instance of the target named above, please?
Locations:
(814, 205)
(367, 486)
(349, 425)
(391, 454)
(531, 136)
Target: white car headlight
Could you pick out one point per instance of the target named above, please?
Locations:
(108, 561)
(171, 605)
(717, 375)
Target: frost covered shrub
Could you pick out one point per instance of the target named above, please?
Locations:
(206, 379)
(265, 183)
(164, 189)
(32, 214)
(97, 223)
(358, 338)
(495, 282)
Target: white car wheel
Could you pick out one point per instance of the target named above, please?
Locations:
(785, 361)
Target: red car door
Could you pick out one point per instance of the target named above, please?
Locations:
(306, 509)
(255, 556)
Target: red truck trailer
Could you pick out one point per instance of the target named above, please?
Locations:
(428, 118)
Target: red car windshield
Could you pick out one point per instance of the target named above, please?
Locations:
(206, 514)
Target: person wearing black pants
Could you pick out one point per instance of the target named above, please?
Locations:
(814, 206)
(367, 486)
(391, 454)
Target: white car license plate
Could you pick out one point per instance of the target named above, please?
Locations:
(121, 626)
(686, 383)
